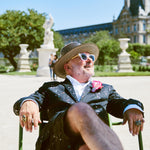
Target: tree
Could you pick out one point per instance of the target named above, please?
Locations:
(109, 48)
(18, 27)
(136, 50)
(58, 41)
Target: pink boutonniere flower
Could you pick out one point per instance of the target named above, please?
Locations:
(96, 85)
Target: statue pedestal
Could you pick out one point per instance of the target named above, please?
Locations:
(124, 62)
(23, 61)
(43, 61)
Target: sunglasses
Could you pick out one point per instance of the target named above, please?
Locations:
(84, 57)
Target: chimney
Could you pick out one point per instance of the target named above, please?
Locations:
(127, 3)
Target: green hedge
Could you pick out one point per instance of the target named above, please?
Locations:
(138, 49)
(141, 68)
(4, 69)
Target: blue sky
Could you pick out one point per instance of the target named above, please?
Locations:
(69, 13)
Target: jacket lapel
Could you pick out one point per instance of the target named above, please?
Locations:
(70, 90)
(86, 91)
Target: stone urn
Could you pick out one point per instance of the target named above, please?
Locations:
(124, 62)
(23, 61)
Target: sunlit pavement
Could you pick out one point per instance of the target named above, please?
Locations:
(14, 87)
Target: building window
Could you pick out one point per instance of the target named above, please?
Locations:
(134, 28)
(116, 30)
(138, 27)
(144, 39)
(135, 39)
(144, 27)
(128, 29)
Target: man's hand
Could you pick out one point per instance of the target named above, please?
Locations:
(30, 111)
(133, 115)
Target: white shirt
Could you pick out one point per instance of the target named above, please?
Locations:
(78, 87)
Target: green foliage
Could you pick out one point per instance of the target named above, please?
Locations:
(104, 68)
(143, 68)
(137, 49)
(108, 47)
(147, 50)
(4, 69)
(134, 54)
(58, 41)
(18, 27)
(33, 67)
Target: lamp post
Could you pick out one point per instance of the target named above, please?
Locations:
(124, 62)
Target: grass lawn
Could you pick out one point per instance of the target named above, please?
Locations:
(19, 73)
(117, 74)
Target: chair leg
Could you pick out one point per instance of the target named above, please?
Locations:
(20, 137)
(140, 141)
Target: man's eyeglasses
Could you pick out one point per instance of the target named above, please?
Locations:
(84, 57)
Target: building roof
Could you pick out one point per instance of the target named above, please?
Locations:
(91, 28)
(134, 7)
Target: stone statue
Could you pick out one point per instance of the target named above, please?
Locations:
(46, 49)
(48, 36)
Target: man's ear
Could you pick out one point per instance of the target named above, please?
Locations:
(66, 67)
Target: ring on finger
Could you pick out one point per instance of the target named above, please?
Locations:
(24, 118)
(138, 122)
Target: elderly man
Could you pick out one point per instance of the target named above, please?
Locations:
(77, 107)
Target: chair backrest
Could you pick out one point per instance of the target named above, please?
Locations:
(140, 141)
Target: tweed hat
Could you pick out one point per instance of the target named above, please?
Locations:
(71, 50)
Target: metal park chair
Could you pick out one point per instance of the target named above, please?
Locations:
(140, 141)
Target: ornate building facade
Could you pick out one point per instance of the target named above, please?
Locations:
(133, 22)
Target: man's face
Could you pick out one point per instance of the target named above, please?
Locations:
(80, 69)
